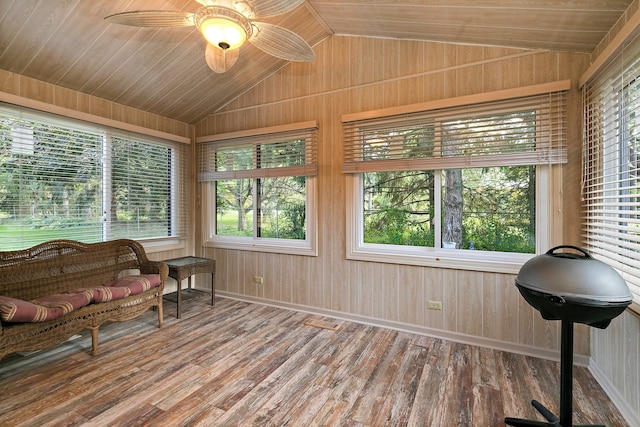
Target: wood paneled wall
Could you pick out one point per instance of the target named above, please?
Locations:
(616, 363)
(352, 74)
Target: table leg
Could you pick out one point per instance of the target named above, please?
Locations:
(213, 289)
(179, 298)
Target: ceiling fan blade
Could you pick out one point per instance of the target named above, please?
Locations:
(266, 8)
(281, 43)
(220, 60)
(152, 18)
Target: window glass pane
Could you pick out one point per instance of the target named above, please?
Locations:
(622, 177)
(140, 189)
(495, 134)
(398, 143)
(490, 209)
(282, 154)
(282, 207)
(399, 208)
(234, 158)
(50, 183)
(234, 207)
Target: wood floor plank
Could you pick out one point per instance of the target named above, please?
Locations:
(598, 411)
(271, 378)
(392, 385)
(484, 367)
(514, 388)
(296, 395)
(487, 406)
(347, 354)
(430, 401)
(242, 364)
(336, 409)
(458, 387)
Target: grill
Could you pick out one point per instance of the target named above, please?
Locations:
(569, 285)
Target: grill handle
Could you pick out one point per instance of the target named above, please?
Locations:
(575, 248)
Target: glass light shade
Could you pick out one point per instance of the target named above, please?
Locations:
(223, 33)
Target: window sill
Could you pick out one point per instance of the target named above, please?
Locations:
(163, 245)
(303, 248)
(458, 259)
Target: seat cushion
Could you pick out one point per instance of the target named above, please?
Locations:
(53, 306)
(67, 301)
(42, 309)
(126, 286)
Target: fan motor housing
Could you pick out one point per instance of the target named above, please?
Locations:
(209, 14)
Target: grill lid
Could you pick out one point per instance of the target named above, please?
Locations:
(578, 278)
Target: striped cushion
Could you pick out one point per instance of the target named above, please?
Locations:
(52, 306)
(68, 301)
(122, 288)
(42, 309)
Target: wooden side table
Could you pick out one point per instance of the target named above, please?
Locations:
(185, 267)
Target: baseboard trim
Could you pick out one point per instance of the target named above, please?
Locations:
(628, 413)
(580, 360)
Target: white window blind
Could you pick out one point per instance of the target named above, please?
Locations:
(64, 178)
(510, 132)
(147, 187)
(611, 165)
(277, 154)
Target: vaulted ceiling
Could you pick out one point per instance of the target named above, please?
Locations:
(163, 71)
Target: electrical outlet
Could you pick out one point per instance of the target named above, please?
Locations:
(258, 279)
(434, 305)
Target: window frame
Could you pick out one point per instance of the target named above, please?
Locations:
(548, 186)
(176, 209)
(39, 112)
(462, 259)
(305, 247)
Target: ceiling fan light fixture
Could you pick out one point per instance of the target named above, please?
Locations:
(222, 32)
(222, 27)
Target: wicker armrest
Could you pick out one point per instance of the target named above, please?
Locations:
(155, 267)
(145, 265)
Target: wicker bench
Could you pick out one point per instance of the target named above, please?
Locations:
(52, 291)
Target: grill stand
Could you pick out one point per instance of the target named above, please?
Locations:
(566, 389)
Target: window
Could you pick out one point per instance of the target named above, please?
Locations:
(429, 186)
(486, 209)
(65, 179)
(611, 166)
(259, 188)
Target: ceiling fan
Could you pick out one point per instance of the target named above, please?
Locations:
(226, 25)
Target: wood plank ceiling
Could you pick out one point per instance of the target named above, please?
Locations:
(163, 71)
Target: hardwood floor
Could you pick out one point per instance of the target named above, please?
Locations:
(242, 364)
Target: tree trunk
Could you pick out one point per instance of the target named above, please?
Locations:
(242, 216)
(452, 221)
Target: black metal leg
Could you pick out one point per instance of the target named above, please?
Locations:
(547, 414)
(566, 389)
(518, 422)
(566, 374)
